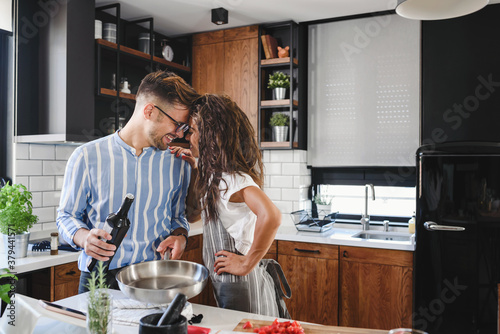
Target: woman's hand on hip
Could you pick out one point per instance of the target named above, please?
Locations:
(231, 263)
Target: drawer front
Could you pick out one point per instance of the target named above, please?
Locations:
(308, 249)
(377, 256)
(67, 272)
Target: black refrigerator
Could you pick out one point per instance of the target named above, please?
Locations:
(457, 256)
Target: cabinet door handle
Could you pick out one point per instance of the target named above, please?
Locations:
(345, 254)
(307, 250)
(72, 272)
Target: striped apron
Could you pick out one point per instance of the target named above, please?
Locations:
(258, 292)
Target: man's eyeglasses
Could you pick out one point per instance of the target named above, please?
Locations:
(180, 126)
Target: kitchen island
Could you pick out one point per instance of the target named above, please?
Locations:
(218, 320)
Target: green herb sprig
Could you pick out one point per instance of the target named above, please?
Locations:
(99, 301)
(6, 288)
(16, 209)
(322, 200)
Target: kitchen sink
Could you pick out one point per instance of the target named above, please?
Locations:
(384, 236)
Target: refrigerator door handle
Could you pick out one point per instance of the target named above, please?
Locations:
(432, 226)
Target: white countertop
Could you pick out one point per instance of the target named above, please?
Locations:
(37, 260)
(49, 322)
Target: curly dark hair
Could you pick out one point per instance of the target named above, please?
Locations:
(227, 144)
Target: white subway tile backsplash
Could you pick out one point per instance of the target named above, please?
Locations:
(37, 199)
(284, 206)
(282, 156)
(45, 214)
(59, 182)
(42, 152)
(63, 152)
(273, 193)
(51, 198)
(286, 220)
(267, 181)
(266, 156)
(290, 194)
(24, 180)
(22, 151)
(42, 183)
(49, 226)
(272, 168)
(28, 167)
(281, 181)
(301, 181)
(37, 227)
(54, 167)
(300, 156)
(294, 168)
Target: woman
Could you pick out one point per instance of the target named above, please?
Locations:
(239, 220)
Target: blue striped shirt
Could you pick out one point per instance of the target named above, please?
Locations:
(98, 176)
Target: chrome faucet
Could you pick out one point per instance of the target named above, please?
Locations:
(365, 218)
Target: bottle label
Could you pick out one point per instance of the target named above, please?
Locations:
(107, 227)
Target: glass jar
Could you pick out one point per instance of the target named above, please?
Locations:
(100, 312)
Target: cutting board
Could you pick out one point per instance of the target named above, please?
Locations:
(311, 329)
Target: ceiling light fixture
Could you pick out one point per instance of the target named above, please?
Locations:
(437, 9)
(219, 16)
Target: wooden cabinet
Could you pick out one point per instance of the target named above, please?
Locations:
(375, 288)
(312, 273)
(56, 282)
(194, 253)
(226, 62)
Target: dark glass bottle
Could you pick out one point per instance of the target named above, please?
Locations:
(117, 224)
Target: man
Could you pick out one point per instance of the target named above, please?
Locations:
(133, 160)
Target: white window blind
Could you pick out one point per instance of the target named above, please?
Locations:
(364, 92)
(6, 15)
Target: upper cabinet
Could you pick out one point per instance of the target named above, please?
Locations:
(279, 56)
(226, 62)
(70, 70)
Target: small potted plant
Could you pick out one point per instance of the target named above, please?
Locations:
(323, 205)
(16, 218)
(279, 81)
(279, 123)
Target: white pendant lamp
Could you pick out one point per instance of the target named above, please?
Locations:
(437, 9)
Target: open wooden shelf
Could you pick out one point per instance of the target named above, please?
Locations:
(278, 103)
(275, 144)
(278, 61)
(110, 92)
(143, 55)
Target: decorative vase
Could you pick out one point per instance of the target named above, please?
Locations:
(279, 93)
(16, 245)
(280, 133)
(323, 210)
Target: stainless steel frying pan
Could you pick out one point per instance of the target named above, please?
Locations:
(159, 281)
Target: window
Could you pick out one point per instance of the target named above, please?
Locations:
(389, 201)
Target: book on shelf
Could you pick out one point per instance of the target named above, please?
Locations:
(272, 45)
(264, 46)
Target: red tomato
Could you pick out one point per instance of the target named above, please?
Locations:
(247, 325)
(286, 327)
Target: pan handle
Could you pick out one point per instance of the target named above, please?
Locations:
(166, 255)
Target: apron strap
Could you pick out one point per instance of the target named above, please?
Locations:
(274, 269)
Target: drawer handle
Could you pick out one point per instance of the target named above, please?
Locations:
(72, 272)
(345, 254)
(307, 250)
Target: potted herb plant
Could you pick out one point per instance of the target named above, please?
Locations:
(279, 123)
(16, 218)
(279, 81)
(323, 205)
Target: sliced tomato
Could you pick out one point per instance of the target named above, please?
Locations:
(247, 325)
